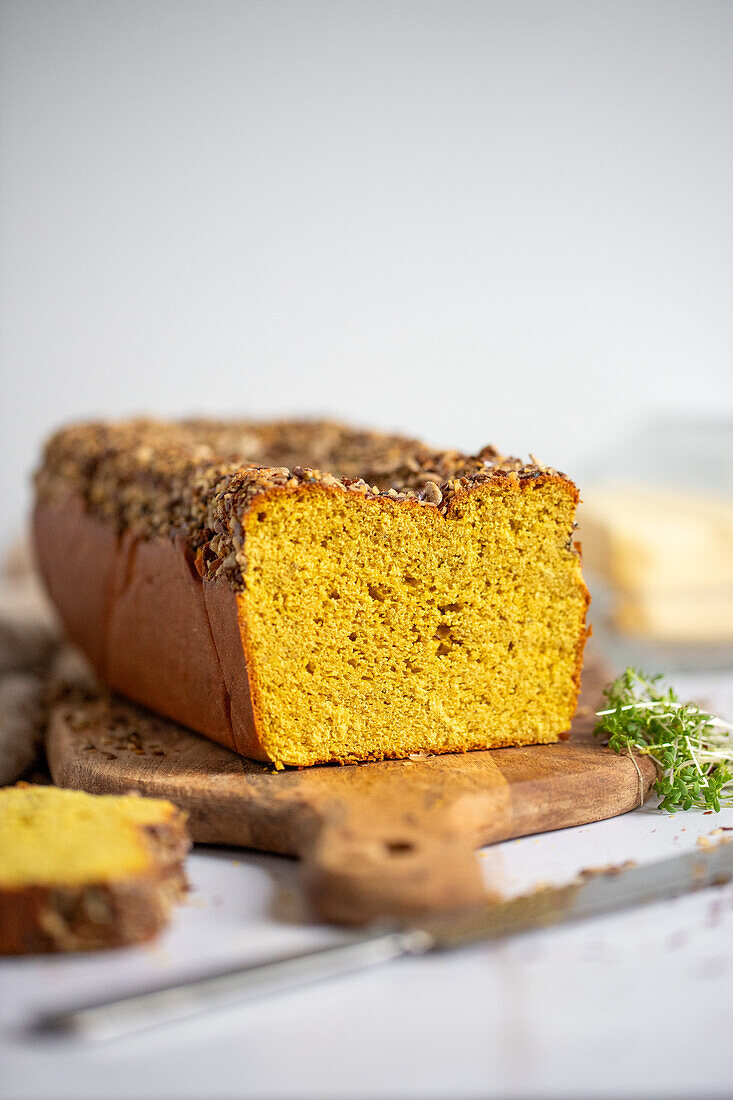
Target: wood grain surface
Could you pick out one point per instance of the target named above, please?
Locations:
(382, 839)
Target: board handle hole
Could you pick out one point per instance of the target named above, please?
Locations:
(399, 847)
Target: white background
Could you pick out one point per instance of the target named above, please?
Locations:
(476, 222)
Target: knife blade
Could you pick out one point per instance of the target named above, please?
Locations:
(592, 894)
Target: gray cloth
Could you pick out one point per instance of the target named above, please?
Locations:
(29, 642)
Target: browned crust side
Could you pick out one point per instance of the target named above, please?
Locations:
(76, 556)
(159, 644)
(158, 634)
(229, 633)
(36, 919)
(136, 608)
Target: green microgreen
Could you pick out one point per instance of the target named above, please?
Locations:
(693, 750)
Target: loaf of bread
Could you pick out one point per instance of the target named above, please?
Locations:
(81, 871)
(303, 593)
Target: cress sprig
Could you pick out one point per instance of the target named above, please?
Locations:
(693, 750)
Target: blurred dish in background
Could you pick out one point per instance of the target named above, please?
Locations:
(667, 558)
(657, 540)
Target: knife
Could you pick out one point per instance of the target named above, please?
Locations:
(592, 894)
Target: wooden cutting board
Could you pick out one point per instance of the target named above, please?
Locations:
(392, 838)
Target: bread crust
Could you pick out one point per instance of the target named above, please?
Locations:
(76, 555)
(158, 609)
(152, 597)
(228, 630)
(91, 916)
(138, 599)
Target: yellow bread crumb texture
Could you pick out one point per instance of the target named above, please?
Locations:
(378, 629)
(54, 837)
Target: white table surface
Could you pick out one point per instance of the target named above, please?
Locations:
(639, 1003)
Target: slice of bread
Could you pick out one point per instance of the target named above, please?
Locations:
(81, 871)
(407, 600)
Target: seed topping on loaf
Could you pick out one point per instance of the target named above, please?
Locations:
(198, 477)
